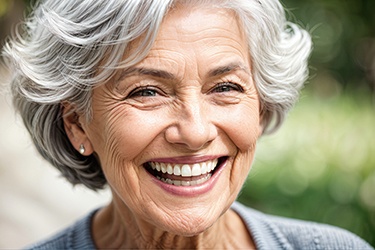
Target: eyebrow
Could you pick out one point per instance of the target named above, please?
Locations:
(158, 73)
(221, 70)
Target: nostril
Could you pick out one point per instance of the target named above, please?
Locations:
(191, 135)
(192, 126)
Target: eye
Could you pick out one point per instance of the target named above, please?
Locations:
(227, 87)
(143, 92)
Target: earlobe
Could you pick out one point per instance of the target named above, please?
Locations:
(73, 129)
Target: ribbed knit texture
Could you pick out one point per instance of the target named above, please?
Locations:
(77, 236)
(269, 233)
(273, 232)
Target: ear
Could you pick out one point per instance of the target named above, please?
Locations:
(73, 129)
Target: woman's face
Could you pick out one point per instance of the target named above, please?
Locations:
(176, 133)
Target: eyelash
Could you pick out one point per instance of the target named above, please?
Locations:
(140, 91)
(233, 86)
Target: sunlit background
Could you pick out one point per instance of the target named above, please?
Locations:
(320, 166)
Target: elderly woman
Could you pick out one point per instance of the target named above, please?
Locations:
(163, 101)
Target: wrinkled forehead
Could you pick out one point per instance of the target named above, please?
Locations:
(196, 36)
(193, 25)
(184, 23)
(190, 20)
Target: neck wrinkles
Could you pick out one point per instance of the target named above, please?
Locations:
(119, 228)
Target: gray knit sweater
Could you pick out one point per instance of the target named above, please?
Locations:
(269, 232)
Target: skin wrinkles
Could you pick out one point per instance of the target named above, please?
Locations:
(124, 79)
(189, 117)
(110, 103)
(236, 76)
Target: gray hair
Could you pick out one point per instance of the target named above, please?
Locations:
(69, 47)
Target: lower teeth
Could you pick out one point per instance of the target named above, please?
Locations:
(185, 183)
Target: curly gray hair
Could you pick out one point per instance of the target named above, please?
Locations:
(69, 47)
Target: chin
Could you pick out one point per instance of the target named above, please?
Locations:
(189, 223)
(191, 230)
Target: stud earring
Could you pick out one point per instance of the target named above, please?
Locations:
(81, 149)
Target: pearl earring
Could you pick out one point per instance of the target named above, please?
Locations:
(81, 149)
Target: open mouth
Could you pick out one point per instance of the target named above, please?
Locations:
(185, 174)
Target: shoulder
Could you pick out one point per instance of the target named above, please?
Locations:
(296, 234)
(315, 235)
(77, 236)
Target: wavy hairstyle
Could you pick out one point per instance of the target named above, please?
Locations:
(67, 48)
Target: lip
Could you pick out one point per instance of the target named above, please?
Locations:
(190, 191)
(187, 159)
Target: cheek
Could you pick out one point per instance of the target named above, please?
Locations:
(126, 134)
(242, 125)
(122, 145)
(243, 129)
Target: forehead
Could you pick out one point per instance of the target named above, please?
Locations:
(194, 25)
(188, 20)
(198, 34)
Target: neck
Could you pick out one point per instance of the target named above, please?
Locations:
(116, 227)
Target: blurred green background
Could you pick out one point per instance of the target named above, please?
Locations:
(321, 165)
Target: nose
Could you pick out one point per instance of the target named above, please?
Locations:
(193, 127)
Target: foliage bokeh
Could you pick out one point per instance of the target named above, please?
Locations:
(320, 165)
(344, 39)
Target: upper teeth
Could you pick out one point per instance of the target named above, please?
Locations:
(185, 170)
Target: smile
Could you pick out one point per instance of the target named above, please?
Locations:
(184, 174)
